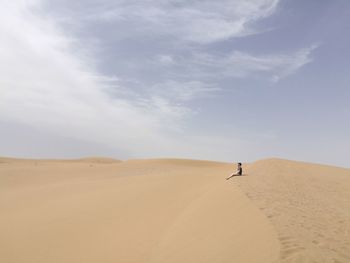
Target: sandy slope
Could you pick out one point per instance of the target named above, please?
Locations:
(167, 210)
(133, 211)
(308, 204)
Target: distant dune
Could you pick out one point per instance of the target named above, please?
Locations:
(172, 210)
(97, 160)
(87, 160)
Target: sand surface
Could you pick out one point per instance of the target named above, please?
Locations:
(169, 210)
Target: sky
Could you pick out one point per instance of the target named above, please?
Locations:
(226, 80)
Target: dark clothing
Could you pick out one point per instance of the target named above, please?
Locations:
(240, 171)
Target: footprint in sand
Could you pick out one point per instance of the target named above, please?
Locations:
(290, 252)
(289, 247)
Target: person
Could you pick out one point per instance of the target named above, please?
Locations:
(238, 171)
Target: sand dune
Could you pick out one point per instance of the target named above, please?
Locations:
(172, 210)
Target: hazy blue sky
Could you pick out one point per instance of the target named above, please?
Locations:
(235, 80)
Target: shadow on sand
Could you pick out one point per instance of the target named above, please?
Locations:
(236, 175)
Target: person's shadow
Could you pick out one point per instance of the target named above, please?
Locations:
(236, 175)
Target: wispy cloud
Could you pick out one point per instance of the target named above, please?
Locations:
(238, 64)
(190, 21)
(183, 91)
(274, 66)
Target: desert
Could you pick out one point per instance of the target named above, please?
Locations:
(172, 210)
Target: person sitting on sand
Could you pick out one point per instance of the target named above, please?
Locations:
(238, 172)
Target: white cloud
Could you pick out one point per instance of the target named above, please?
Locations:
(46, 84)
(184, 91)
